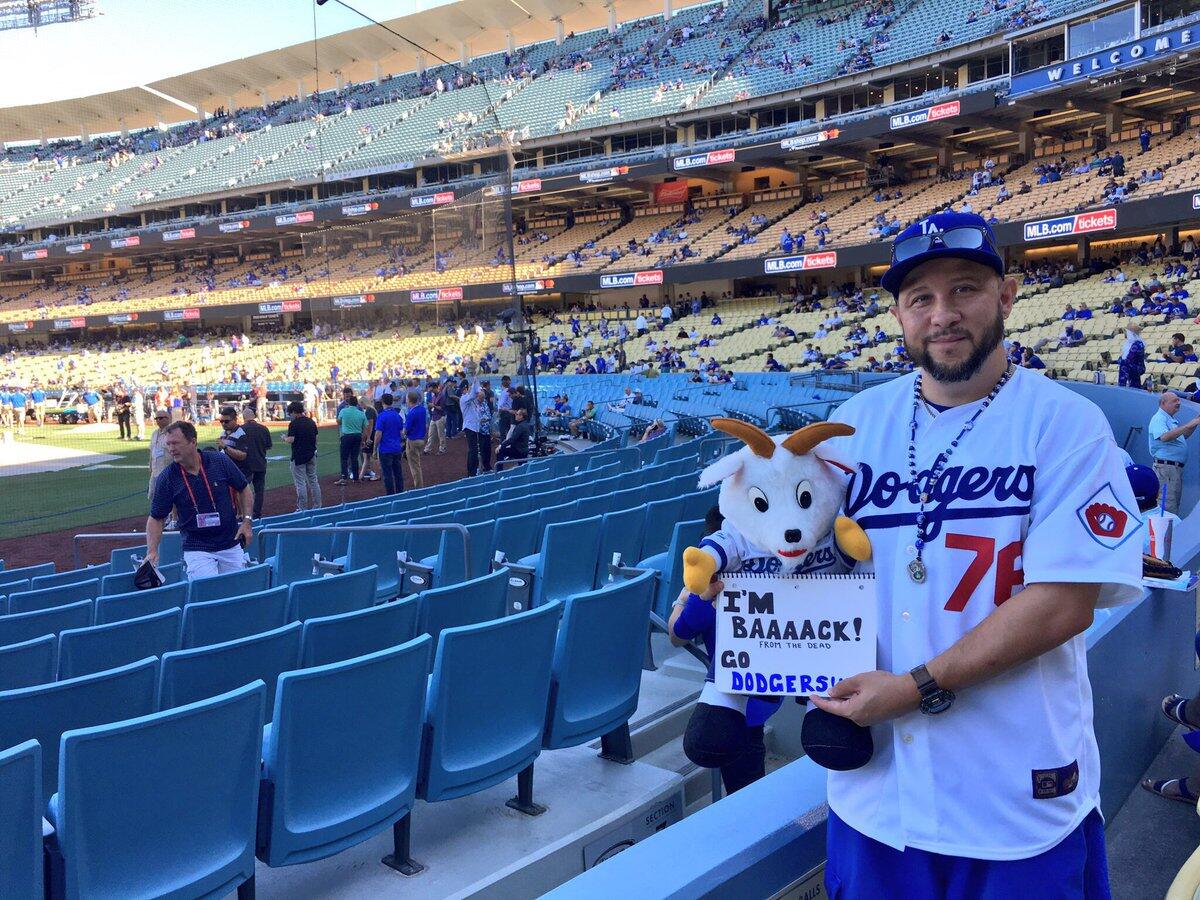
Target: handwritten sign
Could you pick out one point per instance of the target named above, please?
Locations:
(794, 636)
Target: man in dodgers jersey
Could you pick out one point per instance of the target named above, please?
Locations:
(1000, 516)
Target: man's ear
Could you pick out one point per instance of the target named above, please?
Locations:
(723, 468)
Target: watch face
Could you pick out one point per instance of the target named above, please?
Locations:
(937, 702)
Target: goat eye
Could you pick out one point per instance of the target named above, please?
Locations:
(760, 499)
(804, 494)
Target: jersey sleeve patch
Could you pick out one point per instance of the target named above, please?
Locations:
(1106, 520)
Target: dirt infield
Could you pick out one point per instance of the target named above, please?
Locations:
(56, 545)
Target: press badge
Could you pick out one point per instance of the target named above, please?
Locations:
(208, 520)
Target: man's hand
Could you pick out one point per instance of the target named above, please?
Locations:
(152, 558)
(246, 533)
(871, 698)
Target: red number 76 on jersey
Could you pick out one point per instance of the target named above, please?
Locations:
(1008, 576)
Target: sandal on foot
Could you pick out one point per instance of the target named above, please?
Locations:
(1184, 795)
(1174, 707)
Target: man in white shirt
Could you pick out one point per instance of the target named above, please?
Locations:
(1000, 517)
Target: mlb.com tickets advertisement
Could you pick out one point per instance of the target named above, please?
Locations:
(1065, 226)
(781, 265)
(695, 160)
(632, 279)
(434, 295)
(930, 114)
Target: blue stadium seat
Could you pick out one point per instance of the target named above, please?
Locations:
(474, 513)
(504, 508)
(517, 536)
(22, 800)
(596, 505)
(24, 626)
(597, 671)
(71, 576)
(123, 583)
(135, 604)
(43, 712)
(170, 551)
(321, 796)
(697, 504)
(669, 564)
(377, 548)
(293, 559)
(220, 621)
(28, 663)
(567, 562)
(553, 515)
(466, 603)
(82, 651)
(231, 584)
(487, 706)
(191, 675)
(332, 594)
(661, 516)
(266, 539)
(25, 573)
(448, 567)
(52, 597)
(622, 533)
(330, 639)
(628, 497)
(174, 814)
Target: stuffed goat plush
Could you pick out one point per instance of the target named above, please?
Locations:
(780, 498)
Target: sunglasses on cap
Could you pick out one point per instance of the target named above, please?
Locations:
(965, 237)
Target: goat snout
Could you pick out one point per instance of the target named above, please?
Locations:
(793, 535)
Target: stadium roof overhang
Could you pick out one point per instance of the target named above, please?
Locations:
(446, 32)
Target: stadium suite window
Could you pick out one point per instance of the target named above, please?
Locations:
(908, 88)
(861, 98)
(1157, 12)
(1098, 32)
(1037, 53)
(981, 68)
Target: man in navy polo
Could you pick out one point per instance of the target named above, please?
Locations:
(200, 485)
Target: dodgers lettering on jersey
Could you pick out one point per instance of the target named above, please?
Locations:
(1035, 493)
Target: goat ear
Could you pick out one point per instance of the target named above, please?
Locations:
(723, 468)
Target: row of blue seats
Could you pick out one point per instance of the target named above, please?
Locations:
(160, 787)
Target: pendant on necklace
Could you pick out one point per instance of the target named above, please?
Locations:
(916, 571)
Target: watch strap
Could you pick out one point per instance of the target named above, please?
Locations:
(926, 684)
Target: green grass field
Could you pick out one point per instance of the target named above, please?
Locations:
(36, 503)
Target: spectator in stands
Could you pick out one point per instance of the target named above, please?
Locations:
(199, 485)
(352, 431)
(416, 429)
(515, 444)
(588, 414)
(653, 430)
(389, 441)
(1031, 360)
(302, 436)
(773, 365)
(1144, 138)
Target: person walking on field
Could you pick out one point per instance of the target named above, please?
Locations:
(302, 436)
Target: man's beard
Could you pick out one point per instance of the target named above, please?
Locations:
(968, 368)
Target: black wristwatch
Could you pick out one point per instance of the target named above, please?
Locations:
(934, 699)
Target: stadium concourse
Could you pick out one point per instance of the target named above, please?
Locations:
(644, 216)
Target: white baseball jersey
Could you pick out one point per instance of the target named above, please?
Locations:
(1035, 492)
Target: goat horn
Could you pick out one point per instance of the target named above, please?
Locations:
(759, 442)
(804, 439)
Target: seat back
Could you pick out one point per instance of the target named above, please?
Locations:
(27, 663)
(135, 604)
(466, 603)
(697, 504)
(593, 506)
(191, 675)
(82, 651)
(176, 809)
(552, 515)
(21, 825)
(219, 621)
(670, 582)
(71, 576)
(449, 568)
(377, 548)
(621, 533)
(24, 626)
(330, 639)
(598, 656)
(473, 513)
(513, 507)
(51, 597)
(627, 498)
(294, 551)
(170, 551)
(25, 573)
(318, 805)
(123, 583)
(661, 516)
(487, 702)
(517, 536)
(231, 584)
(332, 594)
(43, 712)
(567, 562)
(420, 544)
(266, 539)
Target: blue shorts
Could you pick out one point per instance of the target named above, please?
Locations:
(861, 867)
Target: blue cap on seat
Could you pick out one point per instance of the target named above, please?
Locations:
(987, 254)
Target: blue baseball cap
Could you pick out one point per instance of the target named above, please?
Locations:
(944, 234)
(1144, 481)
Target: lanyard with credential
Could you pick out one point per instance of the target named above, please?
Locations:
(186, 484)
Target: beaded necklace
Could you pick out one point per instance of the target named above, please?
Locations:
(917, 569)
